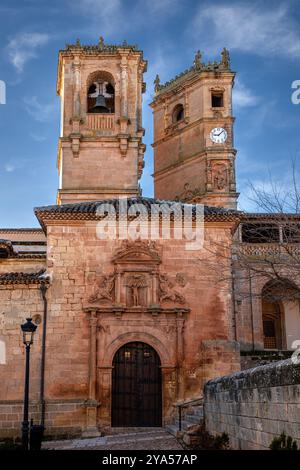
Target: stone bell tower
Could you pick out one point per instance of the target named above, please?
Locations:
(194, 158)
(100, 151)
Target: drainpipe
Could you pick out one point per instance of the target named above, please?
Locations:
(43, 289)
(251, 308)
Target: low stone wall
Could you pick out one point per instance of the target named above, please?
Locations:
(62, 418)
(255, 405)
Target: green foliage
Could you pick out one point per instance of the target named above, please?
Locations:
(222, 441)
(206, 441)
(283, 442)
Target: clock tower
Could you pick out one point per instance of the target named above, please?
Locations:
(194, 156)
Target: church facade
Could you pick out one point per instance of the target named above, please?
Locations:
(128, 326)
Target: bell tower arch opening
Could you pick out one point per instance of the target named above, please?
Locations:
(100, 93)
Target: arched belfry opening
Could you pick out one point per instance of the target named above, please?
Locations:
(101, 93)
(178, 113)
(136, 386)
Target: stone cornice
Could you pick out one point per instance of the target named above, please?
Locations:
(210, 153)
(179, 129)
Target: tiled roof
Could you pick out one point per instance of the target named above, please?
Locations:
(23, 234)
(39, 277)
(251, 216)
(88, 210)
(23, 249)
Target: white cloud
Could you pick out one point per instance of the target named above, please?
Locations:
(105, 15)
(243, 96)
(41, 112)
(9, 167)
(23, 48)
(248, 27)
(116, 19)
(37, 137)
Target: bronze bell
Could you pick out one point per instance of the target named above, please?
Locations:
(100, 106)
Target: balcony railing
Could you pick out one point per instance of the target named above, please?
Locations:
(269, 249)
(101, 121)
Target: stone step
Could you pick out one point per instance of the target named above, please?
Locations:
(195, 409)
(126, 438)
(184, 424)
(194, 419)
(119, 438)
(172, 429)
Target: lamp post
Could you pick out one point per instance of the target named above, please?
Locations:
(28, 330)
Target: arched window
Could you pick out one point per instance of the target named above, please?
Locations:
(280, 313)
(178, 113)
(272, 325)
(100, 93)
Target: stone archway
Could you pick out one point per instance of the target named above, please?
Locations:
(105, 371)
(136, 386)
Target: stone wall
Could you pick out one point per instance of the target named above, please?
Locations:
(255, 405)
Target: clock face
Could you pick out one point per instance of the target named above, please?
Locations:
(218, 135)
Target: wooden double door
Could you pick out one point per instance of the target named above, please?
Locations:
(136, 386)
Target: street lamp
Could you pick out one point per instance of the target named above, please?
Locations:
(28, 330)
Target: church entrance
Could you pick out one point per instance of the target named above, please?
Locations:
(136, 386)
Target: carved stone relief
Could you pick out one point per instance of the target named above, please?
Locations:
(105, 289)
(166, 291)
(220, 177)
(137, 280)
(188, 194)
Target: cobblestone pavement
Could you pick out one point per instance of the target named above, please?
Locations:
(157, 439)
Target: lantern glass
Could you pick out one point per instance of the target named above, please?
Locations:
(28, 330)
(27, 337)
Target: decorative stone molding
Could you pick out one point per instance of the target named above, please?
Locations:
(136, 283)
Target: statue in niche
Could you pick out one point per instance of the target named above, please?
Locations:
(105, 289)
(220, 179)
(137, 282)
(167, 291)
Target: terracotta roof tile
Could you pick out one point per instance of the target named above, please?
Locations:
(39, 277)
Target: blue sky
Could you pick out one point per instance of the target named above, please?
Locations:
(264, 41)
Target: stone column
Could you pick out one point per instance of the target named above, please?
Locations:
(91, 403)
(169, 392)
(186, 106)
(77, 87)
(139, 98)
(180, 354)
(124, 86)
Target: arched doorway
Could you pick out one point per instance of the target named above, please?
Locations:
(136, 386)
(272, 325)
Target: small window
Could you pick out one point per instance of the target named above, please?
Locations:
(127, 354)
(217, 100)
(178, 113)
